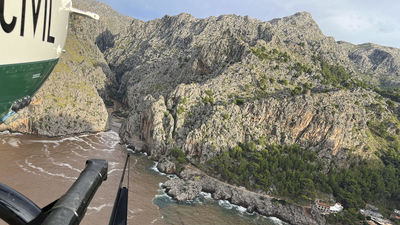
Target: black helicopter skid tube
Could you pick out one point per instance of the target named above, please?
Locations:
(70, 208)
(16, 209)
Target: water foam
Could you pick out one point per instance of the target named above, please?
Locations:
(132, 212)
(26, 170)
(55, 142)
(225, 204)
(240, 208)
(40, 169)
(61, 164)
(109, 140)
(77, 154)
(206, 195)
(113, 170)
(9, 133)
(172, 176)
(113, 164)
(100, 207)
(277, 221)
(154, 168)
(164, 195)
(87, 143)
(84, 135)
(14, 142)
(83, 149)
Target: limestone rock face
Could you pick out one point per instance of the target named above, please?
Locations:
(166, 166)
(182, 190)
(205, 85)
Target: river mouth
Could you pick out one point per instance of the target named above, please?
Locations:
(44, 168)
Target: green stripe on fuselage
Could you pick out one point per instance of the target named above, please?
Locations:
(21, 80)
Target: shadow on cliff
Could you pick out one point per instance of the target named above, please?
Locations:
(105, 40)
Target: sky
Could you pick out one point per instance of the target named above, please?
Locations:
(355, 21)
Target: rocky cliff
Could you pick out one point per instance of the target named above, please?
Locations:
(69, 102)
(204, 85)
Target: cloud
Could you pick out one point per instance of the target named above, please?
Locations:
(356, 21)
(360, 26)
(349, 22)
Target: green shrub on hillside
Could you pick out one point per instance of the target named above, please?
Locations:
(209, 98)
(181, 109)
(179, 158)
(273, 54)
(261, 53)
(338, 76)
(334, 74)
(238, 101)
(283, 82)
(301, 68)
(393, 94)
(297, 90)
(271, 80)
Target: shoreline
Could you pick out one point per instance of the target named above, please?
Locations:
(226, 204)
(191, 182)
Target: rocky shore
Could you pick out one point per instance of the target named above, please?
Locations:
(192, 182)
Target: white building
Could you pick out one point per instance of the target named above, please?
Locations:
(325, 208)
(336, 208)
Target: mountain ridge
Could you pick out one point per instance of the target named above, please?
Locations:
(213, 62)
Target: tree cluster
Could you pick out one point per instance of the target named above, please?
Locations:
(297, 173)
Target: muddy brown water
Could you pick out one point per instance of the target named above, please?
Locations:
(44, 168)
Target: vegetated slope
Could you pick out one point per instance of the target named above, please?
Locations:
(207, 86)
